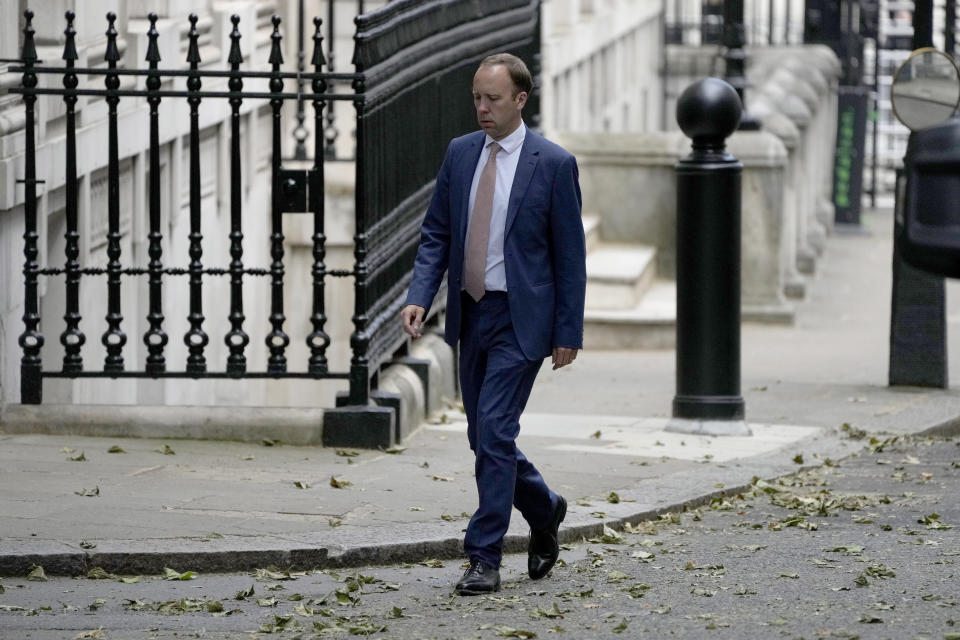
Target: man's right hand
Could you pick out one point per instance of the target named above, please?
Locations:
(412, 316)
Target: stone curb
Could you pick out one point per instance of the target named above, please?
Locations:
(233, 554)
(237, 553)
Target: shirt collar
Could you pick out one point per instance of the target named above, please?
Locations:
(510, 143)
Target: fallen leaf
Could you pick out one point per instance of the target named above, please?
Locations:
(80, 457)
(595, 435)
(86, 544)
(95, 634)
(98, 573)
(171, 574)
(37, 574)
(269, 442)
(798, 459)
(88, 493)
(415, 509)
(620, 628)
(337, 483)
(243, 594)
(272, 573)
(553, 613)
(346, 453)
(116, 449)
(433, 563)
(613, 498)
(267, 602)
(300, 484)
(442, 478)
(166, 450)
(395, 450)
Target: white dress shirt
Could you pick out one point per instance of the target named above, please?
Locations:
(507, 159)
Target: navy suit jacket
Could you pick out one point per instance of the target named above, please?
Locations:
(543, 249)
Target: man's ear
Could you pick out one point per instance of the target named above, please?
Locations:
(521, 99)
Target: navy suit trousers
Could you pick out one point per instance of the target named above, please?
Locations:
(495, 381)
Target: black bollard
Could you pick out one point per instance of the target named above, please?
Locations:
(708, 399)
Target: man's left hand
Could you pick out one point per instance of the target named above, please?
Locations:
(562, 356)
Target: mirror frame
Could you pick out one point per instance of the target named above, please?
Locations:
(896, 74)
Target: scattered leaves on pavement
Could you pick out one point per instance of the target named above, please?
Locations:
(172, 574)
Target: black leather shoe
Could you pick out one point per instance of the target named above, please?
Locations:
(480, 578)
(544, 548)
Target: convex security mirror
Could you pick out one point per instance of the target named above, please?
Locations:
(926, 89)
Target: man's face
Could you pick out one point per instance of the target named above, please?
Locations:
(498, 109)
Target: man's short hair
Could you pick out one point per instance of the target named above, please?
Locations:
(522, 80)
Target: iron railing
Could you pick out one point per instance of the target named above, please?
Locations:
(414, 60)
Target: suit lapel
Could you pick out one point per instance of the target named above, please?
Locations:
(529, 156)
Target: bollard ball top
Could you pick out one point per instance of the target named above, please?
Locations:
(709, 110)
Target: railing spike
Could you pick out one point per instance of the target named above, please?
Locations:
(318, 59)
(113, 53)
(193, 51)
(153, 50)
(70, 46)
(29, 53)
(235, 57)
(276, 54)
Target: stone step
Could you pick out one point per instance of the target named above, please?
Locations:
(591, 231)
(618, 275)
(650, 324)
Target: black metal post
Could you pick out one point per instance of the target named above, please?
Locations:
(72, 338)
(113, 339)
(360, 338)
(318, 340)
(708, 398)
(31, 340)
(236, 340)
(300, 132)
(950, 26)
(874, 133)
(918, 330)
(786, 22)
(195, 339)
(155, 338)
(330, 130)
(277, 340)
(536, 70)
(736, 57)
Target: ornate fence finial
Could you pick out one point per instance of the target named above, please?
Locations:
(318, 59)
(276, 55)
(70, 46)
(193, 50)
(235, 57)
(153, 50)
(113, 53)
(29, 53)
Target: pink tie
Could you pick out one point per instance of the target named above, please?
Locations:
(475, 263)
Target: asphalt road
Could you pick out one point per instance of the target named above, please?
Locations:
(866, 547)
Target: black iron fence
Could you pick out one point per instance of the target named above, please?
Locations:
(769, 22)
(413, 63)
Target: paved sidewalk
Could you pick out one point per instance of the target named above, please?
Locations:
(594, 429)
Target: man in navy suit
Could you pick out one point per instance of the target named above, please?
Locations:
(504, 225)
